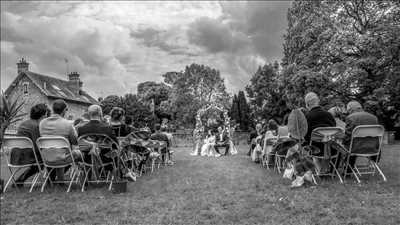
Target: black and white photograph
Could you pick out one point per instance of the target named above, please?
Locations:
(200, 112)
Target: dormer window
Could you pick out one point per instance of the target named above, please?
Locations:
(25, 87)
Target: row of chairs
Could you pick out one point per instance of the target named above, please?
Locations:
(80, 171)
(328, 135)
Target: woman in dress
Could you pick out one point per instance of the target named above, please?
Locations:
(208, 147)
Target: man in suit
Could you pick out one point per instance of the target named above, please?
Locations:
(57, 125)
(357, 116)
(316, 116)
(97, 126)
(222, 140)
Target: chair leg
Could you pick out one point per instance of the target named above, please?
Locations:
(86, 174)
(9, 180)
(47, 176)
(355, 174)
(380, 171)
(35, 178)
(72, 181)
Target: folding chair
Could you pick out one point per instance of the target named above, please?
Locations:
(327, 135)
(11, 144)
(56, 153)
(95, 145)
(357, 149)
(269, 142)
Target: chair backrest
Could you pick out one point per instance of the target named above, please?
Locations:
(283, 131)
(10, 144)
(102, 142)
(325, 134)
(54, 149)
(364, 132)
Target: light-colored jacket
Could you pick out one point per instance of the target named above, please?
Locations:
(56, 125)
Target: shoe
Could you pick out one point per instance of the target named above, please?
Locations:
(131, 176)
(217, 155)
(170, 163)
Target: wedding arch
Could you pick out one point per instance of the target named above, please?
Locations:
(199, 123)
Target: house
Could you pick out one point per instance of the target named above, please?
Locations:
(33, 88)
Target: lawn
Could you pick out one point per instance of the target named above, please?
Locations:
(225, 190)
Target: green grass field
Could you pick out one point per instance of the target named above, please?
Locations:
(225, 190)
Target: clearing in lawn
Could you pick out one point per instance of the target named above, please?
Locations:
(225, 190)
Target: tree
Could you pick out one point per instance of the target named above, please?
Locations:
(342, 49)
(234, 111)
(244, 111)
(110, 102)
(196, 86)
(266, 93)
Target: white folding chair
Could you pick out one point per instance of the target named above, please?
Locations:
(269, 142)
(11, 144)
(326, 135)
(362, 132)
(56, 154)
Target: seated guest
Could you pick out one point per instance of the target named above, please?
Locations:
(316, 117)
(57, 125)
(96, 126)
(82, 120)
(335, 113)
(30, 129)
(117, 122)
(160, 136)
(357, 116)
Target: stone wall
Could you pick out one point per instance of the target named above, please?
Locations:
(35, 96)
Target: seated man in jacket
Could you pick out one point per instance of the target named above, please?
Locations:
(57, 125)
(316, 116)
(30, 129)
(97, 126)
(357, 116)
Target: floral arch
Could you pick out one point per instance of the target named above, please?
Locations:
(200, 127)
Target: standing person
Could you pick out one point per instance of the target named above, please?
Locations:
(30, 129)
(222, 140)
(57, 125)
(357, 116)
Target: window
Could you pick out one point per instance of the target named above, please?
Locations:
(25, 87)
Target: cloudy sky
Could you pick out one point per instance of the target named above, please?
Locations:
(116, 45)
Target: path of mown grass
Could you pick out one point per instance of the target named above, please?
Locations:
(226, 190)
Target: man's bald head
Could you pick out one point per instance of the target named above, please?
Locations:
(312, 100)
(95, 112)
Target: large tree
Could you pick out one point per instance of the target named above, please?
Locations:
(266, 93)
(345, 49)
(193, 88)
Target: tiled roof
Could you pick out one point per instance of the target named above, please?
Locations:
(57, 88)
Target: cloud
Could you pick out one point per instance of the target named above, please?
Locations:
(116, 45)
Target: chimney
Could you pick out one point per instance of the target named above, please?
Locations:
(22, 66)
(75, 81)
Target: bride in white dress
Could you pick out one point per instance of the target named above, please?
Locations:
(208, 147)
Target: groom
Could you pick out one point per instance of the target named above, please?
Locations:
(222, 140)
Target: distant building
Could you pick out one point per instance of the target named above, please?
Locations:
(34, 88)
